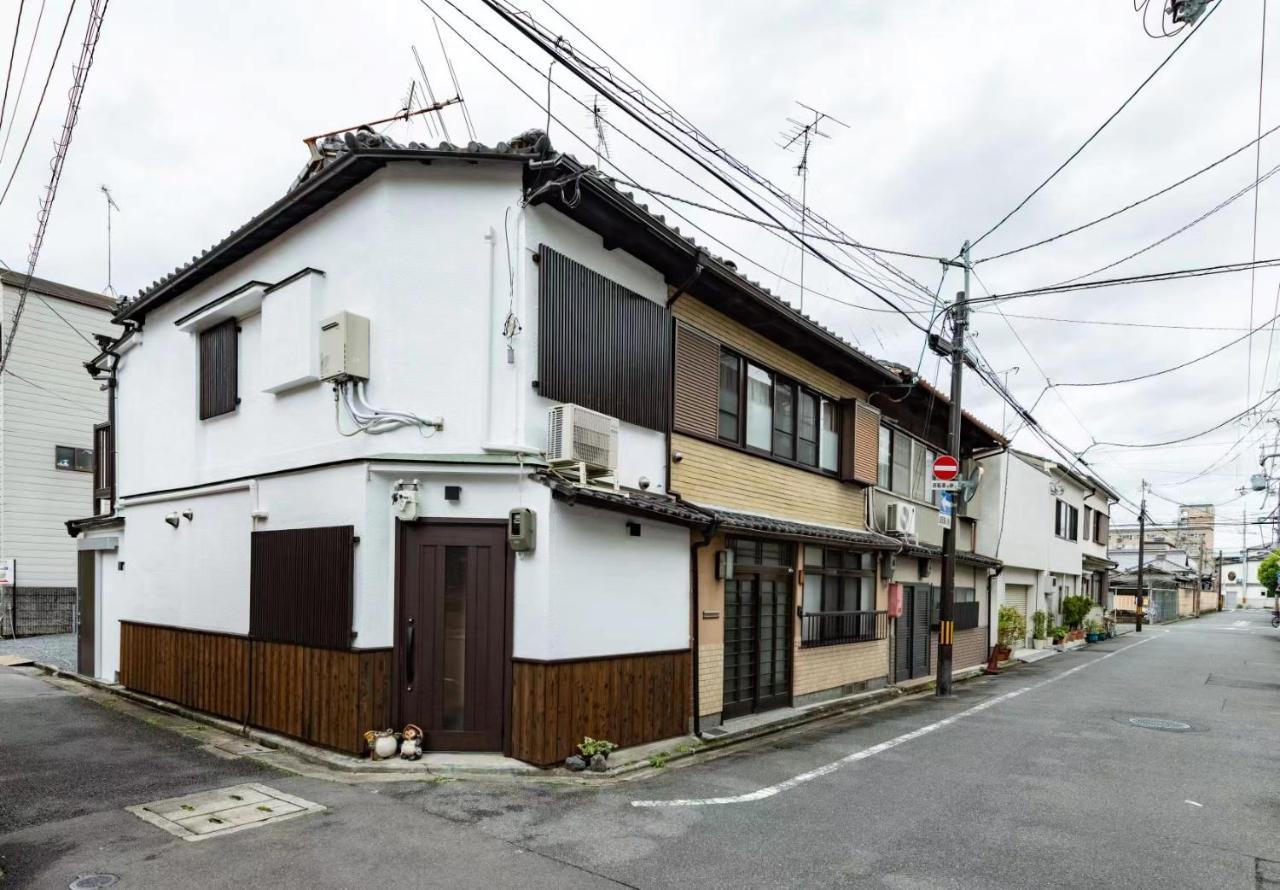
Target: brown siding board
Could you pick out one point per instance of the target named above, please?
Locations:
(301, 586)
(628, 700)
(219, 346)
(697, 378)
(866, 443)
(601, 345)
(324, 696)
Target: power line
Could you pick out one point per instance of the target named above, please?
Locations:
(1172, 275)
(22, 82)
(1095, 133)
(1254, 407)
(1199, 358)
(81, 75)
(1122, 324)
(667, 116)
(13, 51)
(39, 104)
(1113, 214)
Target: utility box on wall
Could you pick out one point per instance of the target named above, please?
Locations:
(344, 347)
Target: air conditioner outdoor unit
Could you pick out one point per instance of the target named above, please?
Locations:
(901, 520)
(582, 437)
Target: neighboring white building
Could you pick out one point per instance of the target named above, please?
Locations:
(1048, 525)
(48, 410)
(1240, 584)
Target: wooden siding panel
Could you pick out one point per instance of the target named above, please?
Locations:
(628, 700)
(601, 345)
(324, 696)
(301, 586)
(866, 443)
(726, 477)
(697, 383)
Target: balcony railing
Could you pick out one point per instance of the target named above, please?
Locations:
(833, 628)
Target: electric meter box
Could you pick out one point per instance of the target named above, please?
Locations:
(522, 529)
(344, 347)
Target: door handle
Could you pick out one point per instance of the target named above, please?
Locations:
(409, 656)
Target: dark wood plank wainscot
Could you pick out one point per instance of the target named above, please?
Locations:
(327, 697)
(627, 699)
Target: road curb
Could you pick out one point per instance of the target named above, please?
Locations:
(700, 748)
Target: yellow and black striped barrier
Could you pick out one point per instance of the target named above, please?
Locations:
(946, 633)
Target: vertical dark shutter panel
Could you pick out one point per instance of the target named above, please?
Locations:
(601, 345)
(848, 440)
(866, 443)
(697, 392)
(219, 382)
(301, 584)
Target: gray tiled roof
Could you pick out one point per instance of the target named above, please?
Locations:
(967, 557)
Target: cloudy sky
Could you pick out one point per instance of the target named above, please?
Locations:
(956, 110)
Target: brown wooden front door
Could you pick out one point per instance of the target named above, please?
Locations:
(86, 611)
(453, 648)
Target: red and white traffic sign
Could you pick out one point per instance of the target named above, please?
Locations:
(946, 468)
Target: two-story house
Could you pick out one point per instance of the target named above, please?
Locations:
(1047, 524)
(467, 438)
(913, 432)
(48, 410)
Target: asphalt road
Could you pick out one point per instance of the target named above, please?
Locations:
(1035, 778)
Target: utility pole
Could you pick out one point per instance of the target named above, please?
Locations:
(946, 603)
(1142, 539)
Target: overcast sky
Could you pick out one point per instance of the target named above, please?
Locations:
(956, 110)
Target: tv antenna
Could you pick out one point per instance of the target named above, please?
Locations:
(800, 135)
(111, 205)
(597, 120)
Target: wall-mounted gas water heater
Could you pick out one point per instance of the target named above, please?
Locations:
(522, 529)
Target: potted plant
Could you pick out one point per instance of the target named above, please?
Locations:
(1011, 631)
(1093, 632)
(1058, 635)
(1040, 639)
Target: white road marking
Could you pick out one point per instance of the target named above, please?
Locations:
(772, 790)
(1193, 803)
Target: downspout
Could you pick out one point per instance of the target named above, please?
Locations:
(707, 534)
(991, 579)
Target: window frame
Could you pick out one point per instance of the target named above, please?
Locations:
(929, 452)
(76, 454)
(832, 574)
(1066, 520)
(799, 393)
(211, 399)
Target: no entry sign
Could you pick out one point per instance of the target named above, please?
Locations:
(946, 468)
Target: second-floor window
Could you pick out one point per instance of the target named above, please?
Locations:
(1088, 523)
(904, 465)
(1066, 519)
(765, 411)
(219, 369)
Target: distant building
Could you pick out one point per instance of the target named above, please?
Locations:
(1192, 533)
(48, 410)
(1240, 584)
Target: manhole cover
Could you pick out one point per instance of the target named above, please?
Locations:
(93, 882)
(214, 813)
(1160, 724)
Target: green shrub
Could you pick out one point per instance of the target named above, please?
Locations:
(1041, 620)
(1012, 627)
(1074, 608)
(591, 747)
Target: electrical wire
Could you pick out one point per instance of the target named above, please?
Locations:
(1257, 167)
(13, 52)
(627, 136)
(1254, 407)
(1113, 214)
(1171, 275)
(39, 104)
(1123, 105)
(1177, 367)
(668, 116)
(22, 82)
(1122, 324)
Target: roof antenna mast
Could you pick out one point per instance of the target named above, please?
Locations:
(111, 205)
(457, 88)
(800, 136)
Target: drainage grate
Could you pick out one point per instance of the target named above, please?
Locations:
(1160, 723)
(1219, 680)
(93, 882)
(213, 813)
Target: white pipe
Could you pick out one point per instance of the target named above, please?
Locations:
(489, 336)
(138, 500)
